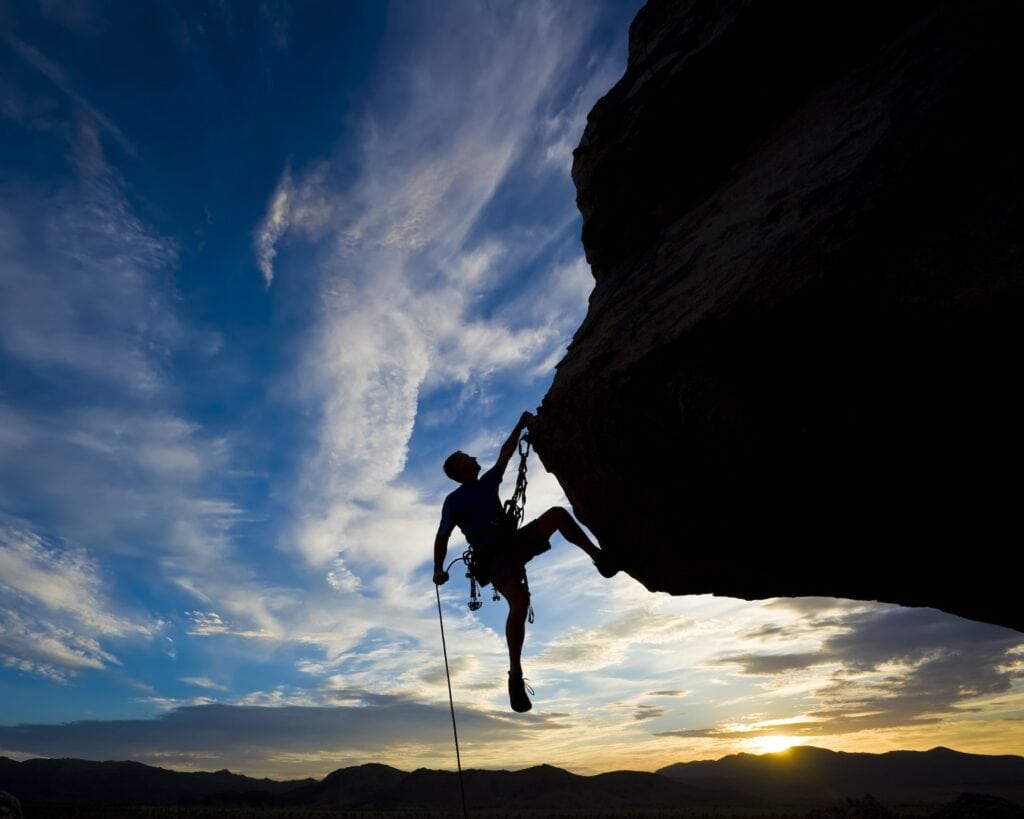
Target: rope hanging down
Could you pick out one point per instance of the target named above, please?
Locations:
(451, 701)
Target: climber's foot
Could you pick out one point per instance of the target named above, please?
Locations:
(517, 693)
(607, 565)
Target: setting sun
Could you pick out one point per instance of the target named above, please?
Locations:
(772, 744)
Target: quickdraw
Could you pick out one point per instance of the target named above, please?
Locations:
(515, 507)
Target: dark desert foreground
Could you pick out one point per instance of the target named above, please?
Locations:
(974, 806)
(802, 783)
(165, 812)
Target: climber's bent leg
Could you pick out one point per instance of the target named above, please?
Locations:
(558, 519)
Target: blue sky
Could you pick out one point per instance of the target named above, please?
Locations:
(263, 265)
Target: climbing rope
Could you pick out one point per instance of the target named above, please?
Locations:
(451, 702)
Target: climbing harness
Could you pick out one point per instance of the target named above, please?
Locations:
(451, 700)
(512, 518)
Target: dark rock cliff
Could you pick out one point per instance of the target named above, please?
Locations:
(799, 372)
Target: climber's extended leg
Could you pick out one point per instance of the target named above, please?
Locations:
(512, 589)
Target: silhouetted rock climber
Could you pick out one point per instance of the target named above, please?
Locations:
(501, 553)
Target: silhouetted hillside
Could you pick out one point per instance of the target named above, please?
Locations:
(813, 774)
(368, 787)
(537, 788)
(743, 782)
(79, 780)
(350, 786)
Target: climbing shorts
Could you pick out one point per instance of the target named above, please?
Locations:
(509, 552)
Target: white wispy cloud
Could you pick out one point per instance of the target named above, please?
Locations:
(274, 225)
(829, 669)
(53, 72)
(54, 615)
(203, 682)
(77, 292)
(113, 474)
(606, 645)
(403, 268)
(252, 606)
(63, 581)
(88, 315)
(307, 209)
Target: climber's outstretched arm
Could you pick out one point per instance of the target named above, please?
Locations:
(508, 449)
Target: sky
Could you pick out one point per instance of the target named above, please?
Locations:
(263, 266)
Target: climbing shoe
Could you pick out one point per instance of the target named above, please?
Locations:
(607, 565)
(517, 693)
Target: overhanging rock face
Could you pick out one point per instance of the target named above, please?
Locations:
(800, 369)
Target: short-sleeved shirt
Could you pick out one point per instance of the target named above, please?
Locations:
(474, 508)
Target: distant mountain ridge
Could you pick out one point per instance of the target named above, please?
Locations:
(371, 787)
(802, 775)
(805, 774)
(81, 780)
(543, 787)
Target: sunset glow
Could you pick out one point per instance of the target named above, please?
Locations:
(774, 744)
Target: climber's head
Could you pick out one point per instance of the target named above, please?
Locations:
(461, 467)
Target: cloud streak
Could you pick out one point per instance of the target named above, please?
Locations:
(53, 72)
(257, 739)
(883, 668)
(88, 319)
(403, 264)
(53, 613)
(77, 289)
